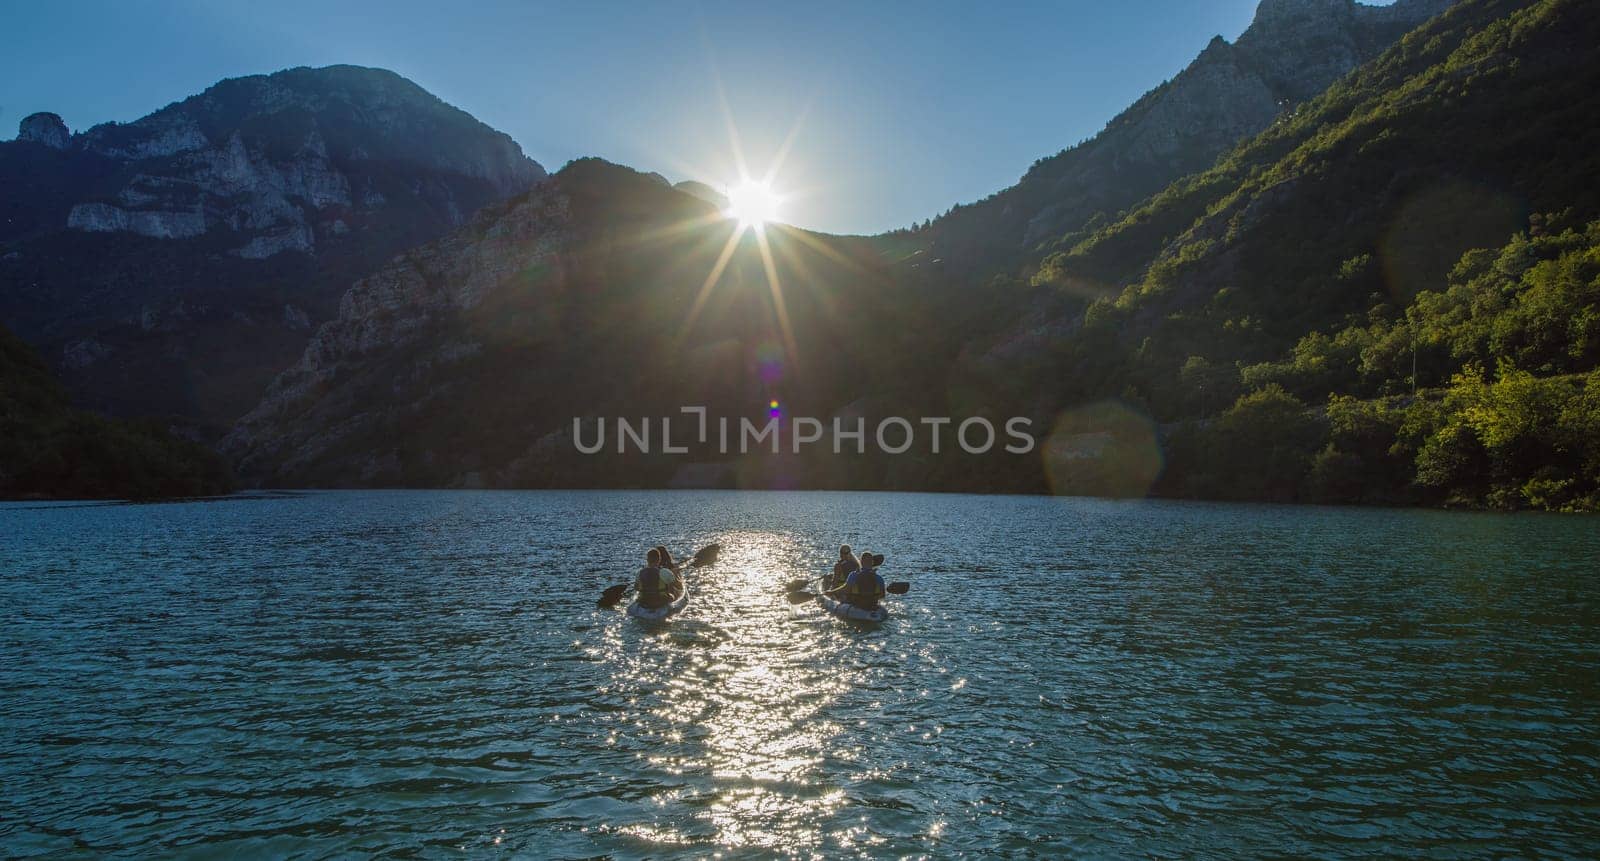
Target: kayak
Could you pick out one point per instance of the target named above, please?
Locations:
(660, 614)
(851, 612)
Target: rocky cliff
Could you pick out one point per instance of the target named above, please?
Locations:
(396, 311)
(1292, 50)
(46, 129)
(171, 265)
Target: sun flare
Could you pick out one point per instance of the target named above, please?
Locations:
(753, 203)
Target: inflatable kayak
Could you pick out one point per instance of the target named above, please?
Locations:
(851, 611)
(659, 614)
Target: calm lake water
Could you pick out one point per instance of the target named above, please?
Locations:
(425, 673)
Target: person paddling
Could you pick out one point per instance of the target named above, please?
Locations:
(847, 565)
(657, 586)
(864, 587)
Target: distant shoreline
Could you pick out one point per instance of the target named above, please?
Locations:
(264, 494)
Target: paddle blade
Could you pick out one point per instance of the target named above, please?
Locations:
(610, 597)
(800, 597)
(707, 555)
(796, 585)
(899, 587)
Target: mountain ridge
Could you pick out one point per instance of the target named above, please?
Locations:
(174, 264)
(1292, 50)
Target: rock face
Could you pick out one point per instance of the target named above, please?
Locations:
(394, 311)
(44, 128)
(215, 212)
(276, 157)
(1300, 47)
(1293, 50)
(160, 224)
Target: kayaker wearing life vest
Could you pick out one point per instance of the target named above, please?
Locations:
(847, 565)
(657, 586)
(863, 588)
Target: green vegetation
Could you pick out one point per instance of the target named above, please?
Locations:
(1533, 304)
(1526, 434)
(48, 449)
(1514, 441)
(1345, 282)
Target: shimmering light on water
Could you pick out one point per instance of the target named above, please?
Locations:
(426, 673)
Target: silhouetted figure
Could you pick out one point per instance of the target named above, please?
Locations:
(657, 586)
(863, 588)
(848, 564)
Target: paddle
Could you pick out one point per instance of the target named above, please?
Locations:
(800, 596)
(707, 555)
(612, 595)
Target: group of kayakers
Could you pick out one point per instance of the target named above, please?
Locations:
(854, 579)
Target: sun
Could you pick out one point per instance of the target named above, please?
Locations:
(753, 203)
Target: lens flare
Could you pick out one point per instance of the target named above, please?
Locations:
(1108, 448)
(753, 203)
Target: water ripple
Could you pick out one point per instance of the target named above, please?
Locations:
(424, 674)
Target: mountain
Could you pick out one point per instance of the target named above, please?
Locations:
(1369, 195)
(1412, 252)
(1248, 331)
(464, 362)
(1292, 51)
(48, 449)
(172, 265)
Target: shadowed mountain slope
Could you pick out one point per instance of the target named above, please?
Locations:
(172, 265)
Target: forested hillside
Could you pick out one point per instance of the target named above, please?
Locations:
(48, 449)
(1412, 255)
(1292, 50)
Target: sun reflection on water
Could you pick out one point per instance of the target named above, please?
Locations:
(731, 707)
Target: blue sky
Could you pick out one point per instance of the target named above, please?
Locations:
(898, 110)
